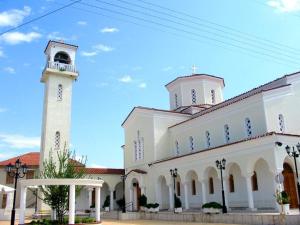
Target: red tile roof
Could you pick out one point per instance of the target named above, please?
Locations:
(31, 159)
(103, 171)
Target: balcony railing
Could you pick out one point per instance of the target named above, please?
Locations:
(61, 66)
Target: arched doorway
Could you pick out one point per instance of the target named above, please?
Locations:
(136, 194)
(290, 185)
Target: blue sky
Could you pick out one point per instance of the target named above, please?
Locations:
(125, 60)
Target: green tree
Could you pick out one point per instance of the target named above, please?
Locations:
(66, 166)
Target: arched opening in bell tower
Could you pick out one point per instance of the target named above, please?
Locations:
(62, 57)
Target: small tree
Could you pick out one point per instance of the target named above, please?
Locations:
(106, 202)
(66, 166)
(143, 200)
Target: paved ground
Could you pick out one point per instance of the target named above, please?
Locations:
(137, 222)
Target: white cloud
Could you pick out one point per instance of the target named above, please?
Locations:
(4, 156)
(102, 84)
(109, 30)
(82, 23)
(1, 53)
(13, 17)
(168, 68)
(58, 36)
(14, 38)
(9, 70)
(2, 110)
(142, 85)
(285, 5)
(126, 79)
(89, 54)
(19, 141)
(103, 48)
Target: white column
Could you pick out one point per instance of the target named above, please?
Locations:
(203, 188)
(250, 193)
(171, 197)
(22, 205)
(225, 192)
(72, 204)
(97, 204)
(90, 190)
(111, 200)
(186, 195)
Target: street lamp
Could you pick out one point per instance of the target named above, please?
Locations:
(174, 175)
(123, 177)
(16, 171)
(221, 166)
(294, 152)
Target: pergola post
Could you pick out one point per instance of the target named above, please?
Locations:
(72, 204)
(22, 205)
(97, 204)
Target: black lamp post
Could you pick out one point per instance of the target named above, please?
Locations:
(294, 152)
(123, 177)
(16, 171)
(174, 175)
(221, 166)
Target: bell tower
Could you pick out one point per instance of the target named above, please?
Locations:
(58, 76)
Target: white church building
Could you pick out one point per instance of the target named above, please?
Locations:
(201, 127)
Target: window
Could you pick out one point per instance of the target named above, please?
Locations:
(226, 133)
(191, 143)
(211, 185)
(281, 123)
(57, 140)
(207, 134)
(177, 147)
(176, 101)
(178, 188)
(4, 199)
(248, 127)
(213, 96)
(194, 192)
(30, 174)
(59, 92)
(254, 182)
(138, 147)
(194, 99)
(231, 183)
(9, 179)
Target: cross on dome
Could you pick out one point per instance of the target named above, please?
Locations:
(194, 68)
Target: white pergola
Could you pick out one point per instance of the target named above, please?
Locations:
(24, 184)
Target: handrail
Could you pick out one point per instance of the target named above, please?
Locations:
(61, 66)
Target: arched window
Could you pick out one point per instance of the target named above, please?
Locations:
(194, 98)
(191, 143)
(254, 182)
(207, 134)
(176, 101)
(194, 191)
(62, 57)
(226, 133)
(248, 127)
(59, 92)
(57, 140)
(211, 185)
(231, 183)
(281, 123)
(177, 147)
(135, 151)
(213, 96)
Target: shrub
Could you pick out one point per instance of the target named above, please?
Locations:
(78, 220)
(152, 205)
(282, 197)
(214, 205)
(88, 220)
(178, 203)
(92, 206)
(106, 202)
(143, 200)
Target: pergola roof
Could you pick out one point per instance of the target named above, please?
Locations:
(66, 181)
